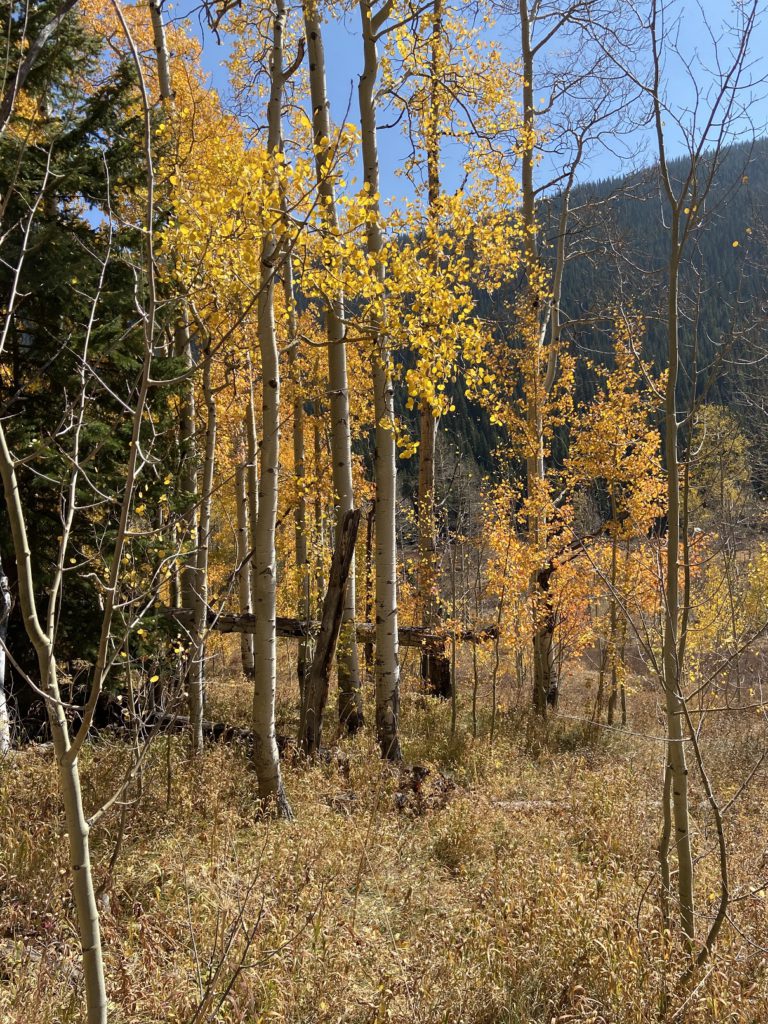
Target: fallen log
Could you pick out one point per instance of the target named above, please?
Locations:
(295, 629)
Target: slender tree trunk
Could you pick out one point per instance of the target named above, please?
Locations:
(623, 644)
(478, 594)
(66, 746)
(161, 49)
(540, 314)
(623, 696)
(613, 623)
(266, 758)
(535, 323)
(673, 643)
(454, 693)
(188, 476)
(665, 839)
(196, 682)
(599, 700)
(5, 611)
(252, 474)
(319, 525)
(68, 769)
(494, 684)
(369, 569)
(244, 560)
(387, 668)
(532, 317)
(546, 687)
(475, 688)
(350, 693)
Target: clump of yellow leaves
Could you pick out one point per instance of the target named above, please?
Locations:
(615, 441)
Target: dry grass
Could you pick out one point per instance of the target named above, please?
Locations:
(512, 884)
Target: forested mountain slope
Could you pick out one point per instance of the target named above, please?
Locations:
(618, 242)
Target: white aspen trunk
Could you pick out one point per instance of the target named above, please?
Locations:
(188, 477)
(613, 617)
(677, 608)
(196, 683)
(387, 668)
(545, 683)
(243, 566)
(350, 693)
(534, 458)
(266, 758)
(319, 525)
(5, 611)
(252, 477)
(673, 643)
(67, 747)
(161, 49)
(68, 769)
(369, 599)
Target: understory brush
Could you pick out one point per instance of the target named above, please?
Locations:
(513, 883)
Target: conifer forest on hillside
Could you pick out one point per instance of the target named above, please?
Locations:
(384, 523)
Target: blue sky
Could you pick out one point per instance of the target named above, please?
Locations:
(343, 55)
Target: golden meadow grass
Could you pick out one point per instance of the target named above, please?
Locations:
(513, 883)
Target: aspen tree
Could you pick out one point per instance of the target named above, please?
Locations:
(196, 678)
(248, 34)
(538, 307)
(614, 444)
(596, 102)
(228, 229)
(77, 824)
(543, 655)
(42, 630)
(161, 49)
(707, 129)
(266, 758)
(252, 474)
(450, 82)
(673, 643)
(387, 669)
(350, 695)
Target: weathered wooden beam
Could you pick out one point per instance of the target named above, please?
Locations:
(295, 629)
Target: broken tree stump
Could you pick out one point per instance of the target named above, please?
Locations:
(436, 673)
(317, 681)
